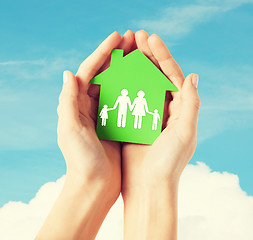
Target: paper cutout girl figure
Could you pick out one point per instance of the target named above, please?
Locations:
(156, 117)
(122, 101)
(104, 114)
(139, 108)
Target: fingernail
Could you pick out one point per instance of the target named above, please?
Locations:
(128, 31)
(113, 33)
(195, 80)
(65, 76)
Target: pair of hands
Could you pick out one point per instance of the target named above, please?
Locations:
(127, 168)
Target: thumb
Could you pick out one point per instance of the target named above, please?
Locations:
(68, 110)
(190, 104)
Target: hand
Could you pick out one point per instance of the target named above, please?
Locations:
(87, 158)
(165, 160)
(93, 178)
(151, 172)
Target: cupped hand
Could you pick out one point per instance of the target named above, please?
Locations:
(163, 161)
(87, 158)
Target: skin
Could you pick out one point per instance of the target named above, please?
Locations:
(151, 173)
(98, 170)
(93, 178)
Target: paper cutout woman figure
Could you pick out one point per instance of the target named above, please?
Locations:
(140, 108)
(156, 117)
(104, 114)
(122, 101)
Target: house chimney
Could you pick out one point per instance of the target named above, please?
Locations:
(116, 56)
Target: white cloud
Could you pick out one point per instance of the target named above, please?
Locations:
(29, 98)
(225, 105)
(175, 22)
(22, 221)
(224, 4)
(226, 94)
(24, 62)
(211, 206)
(230, 108)
(28, 119)
(45, 70)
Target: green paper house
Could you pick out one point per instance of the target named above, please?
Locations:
(131, 100)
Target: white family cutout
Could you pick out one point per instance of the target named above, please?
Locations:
(139, 108)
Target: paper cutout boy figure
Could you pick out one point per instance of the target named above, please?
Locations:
(156, 117)
(123, 101)
(139, 108)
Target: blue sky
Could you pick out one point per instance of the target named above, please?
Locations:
(39, 40)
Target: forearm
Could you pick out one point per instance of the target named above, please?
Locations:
(151, 213)
(79, 210)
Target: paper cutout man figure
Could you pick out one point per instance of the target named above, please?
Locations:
(140, 108)
(156, 117)
(104, 114)
(122, 101)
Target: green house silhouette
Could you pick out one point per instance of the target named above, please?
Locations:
(134, 114)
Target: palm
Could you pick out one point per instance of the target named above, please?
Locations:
(105, 155)
(154, 156)
(165, 156)
(97, 156)
(88, 96)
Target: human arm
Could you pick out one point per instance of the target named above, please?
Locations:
(158, 116)
(79, 210)
(131, 106)
(146, 105)
(151, 213)
(115, 105)
(110, 109)
(151, 173)
(84, 202)
(93, 178)
(150, 113)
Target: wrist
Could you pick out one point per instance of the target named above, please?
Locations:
(85, 203)
(151, 213)
(151, 191)
(147, 184)
(100, 188)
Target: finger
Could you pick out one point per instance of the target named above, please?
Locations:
(141, 38)
(167, 63)
(68, 111)
(126, 43)
(93, 63)
(168, 99)
(134, 46)
(190, 105)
